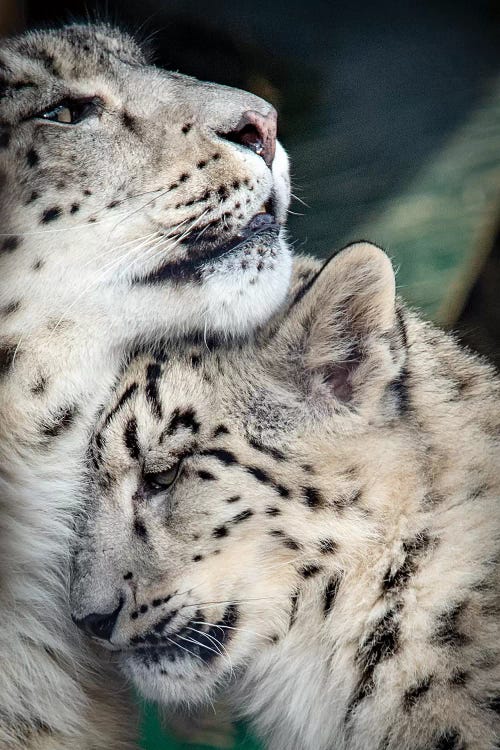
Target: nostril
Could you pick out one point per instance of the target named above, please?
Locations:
(100, 625)
(257, 132)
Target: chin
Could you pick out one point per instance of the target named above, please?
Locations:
(171, 684)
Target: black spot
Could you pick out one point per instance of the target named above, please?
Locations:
(447, 632)
(59, 422)
(153, 372)
(11, 308)
(216, 156)
(268, 449)
(39, 387)
(74, 208)
(202, 164)
(381, 644)
(294, 605)
(184, 177)
(400, 392)
(448, 740)
(87, 192)
(413, 694)
(33, 197)
(243, 516)
(130, 123)
(310, 570)
(195, 360)
(233, 499)
(330, 594)
(11, 244)
(262, 476)
(51, 214)
(130, 438)
(206, 475)
(287, 541)
(222, 455)
(157, 602)
(128, 576)
(113, 204)
(313, 497)
(459, 678)
(220, 430)
(4, 139)
(327, 546)
(272, 511)
(220, 532)
(38, 264)
(186, 418)
(412, 550)
(140, 530)
(197, 558)
(186, 128)
(32, 158)
(7, 354)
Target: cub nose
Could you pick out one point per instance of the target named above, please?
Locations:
(100, 625)
(257, 132)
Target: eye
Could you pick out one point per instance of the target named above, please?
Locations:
(72, 111)
(158, 481)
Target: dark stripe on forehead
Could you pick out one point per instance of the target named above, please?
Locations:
(126, 395)
(153, 372)
(130, 438)
(186, 418)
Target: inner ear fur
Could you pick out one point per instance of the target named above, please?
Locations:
(344, 331)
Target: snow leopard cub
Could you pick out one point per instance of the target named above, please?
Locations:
(308, 525)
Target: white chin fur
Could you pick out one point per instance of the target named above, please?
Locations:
(238, 300)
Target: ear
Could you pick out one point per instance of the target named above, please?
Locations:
(342, 336)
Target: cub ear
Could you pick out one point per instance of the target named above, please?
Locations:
(342, 335)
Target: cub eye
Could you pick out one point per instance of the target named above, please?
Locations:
(72, 111)
(158, 481)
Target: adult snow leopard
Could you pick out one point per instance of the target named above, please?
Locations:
(309, 524)
(133, 202)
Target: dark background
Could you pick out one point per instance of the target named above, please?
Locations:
(368, 94)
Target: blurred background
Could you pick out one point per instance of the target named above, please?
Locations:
(391, 114)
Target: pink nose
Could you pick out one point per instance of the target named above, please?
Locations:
(258, 133)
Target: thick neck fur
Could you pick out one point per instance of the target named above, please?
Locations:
(407, 549)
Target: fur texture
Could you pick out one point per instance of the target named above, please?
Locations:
(124, 205)
(308, 524)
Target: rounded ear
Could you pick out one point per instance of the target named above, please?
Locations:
(343, 319)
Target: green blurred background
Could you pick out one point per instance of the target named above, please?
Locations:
(391, 114)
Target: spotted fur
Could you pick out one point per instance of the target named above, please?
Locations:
(122, 222)
(367, 593)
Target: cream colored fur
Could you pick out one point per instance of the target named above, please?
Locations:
(146, 180)
(326, 556)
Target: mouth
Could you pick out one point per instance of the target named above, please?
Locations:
(204, 247)
(194, 641)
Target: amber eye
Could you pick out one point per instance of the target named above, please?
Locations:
(72, 111)
(158, 481)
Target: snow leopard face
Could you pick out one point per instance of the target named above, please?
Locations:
(125, 185)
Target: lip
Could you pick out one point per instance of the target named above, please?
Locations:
(261, 225)
(190, 641)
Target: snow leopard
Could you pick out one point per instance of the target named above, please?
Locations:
(134, 203)
(305, 525)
